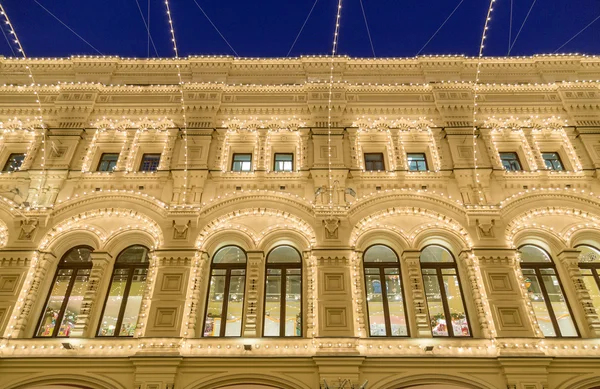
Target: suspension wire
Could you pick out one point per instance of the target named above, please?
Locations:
(438, 30)
(8, 41)
(368, 30)
(216, 29)
(147, 27)
(520, 29)
(302, 28)
(69, 28)
(576, 35)
(510, 26)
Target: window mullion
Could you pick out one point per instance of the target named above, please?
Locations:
(225, 302)
(63, 307)
(386, 309)
(282, 303)
(445, 302)
(124, 301)
(547, 301)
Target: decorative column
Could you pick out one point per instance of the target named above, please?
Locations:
(354, 148)
(254, 282)
(32, 152)
(303, 151)
(398, 151)
(488, 141)
(478, 292)
(122, 162)
(100, 261)
(262, 150)
(358, 295)
(532, 145)
(412, 260)
(310, 263)
(192, 302)
(570, 260)
(167, 153)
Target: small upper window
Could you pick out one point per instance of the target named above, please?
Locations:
(552, 161)
(374, 162)
(241, 163)
(14, 162)
(108, 162)
(417, 162)
(510, 161)
(284, 162)
(150, 162)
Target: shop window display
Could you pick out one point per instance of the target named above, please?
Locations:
(589, 263)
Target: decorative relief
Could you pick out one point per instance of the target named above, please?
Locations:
(180, 231)
(8, 284)
(485, 229)
(28, 227)
(331, 228)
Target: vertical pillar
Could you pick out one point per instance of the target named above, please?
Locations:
(167, 153)
(262, 150)
(125, 154)
(254, 286)
(196, 285)
(303, 152)
(98, 274)
(411, 258)
(537, 156)
(399, 151)
(570, 260)
(485, 324)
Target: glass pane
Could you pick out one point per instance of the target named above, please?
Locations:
(74, 304)
(594, 290)
(113, 302)
(436, 254)
(108, 162)
(214, 309)
(284, 162)
(133, 254)
(540, 309)
(531, 253)
(150, 162)
(273, 303)
(416, 161)
(588, 254)
(460, 326)
(14, 162)
(233, 326)
(375, 305)
(559, 306)
(134, 302)
(230, 254)
(284, 254)
(78, 255)
(437, 316)
(380, 253)
(293, 305)
(55, 301)
(395, 301)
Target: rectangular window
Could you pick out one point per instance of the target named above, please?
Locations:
(417, 162)
(241, 163)
(284, 162)
(150, 162)
(374, 162)
(552, 161)
(14, 162)
(108, 162)
(510, 161)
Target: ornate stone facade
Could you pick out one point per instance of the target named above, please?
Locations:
(421, 186)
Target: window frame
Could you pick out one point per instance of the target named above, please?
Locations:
(593, 266)
(558, 158)
(144, 155)
(438, 266)
(382, 161)
(516, 154)
(131, 267)
(6, 164)
(233, 161)
(284, 266)
(536, 266)
(275, 162)
(386, 309)
(424, 160)
(228, 267)
(76, 267)
(116, 162)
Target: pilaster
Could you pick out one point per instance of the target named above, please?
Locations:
(254, 283)
(411, 258)
(478, 292)
(196, 285)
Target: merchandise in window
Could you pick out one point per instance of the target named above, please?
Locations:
(241, 163)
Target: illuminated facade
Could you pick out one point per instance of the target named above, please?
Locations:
(263, 243)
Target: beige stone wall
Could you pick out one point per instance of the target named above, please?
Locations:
(329, 207)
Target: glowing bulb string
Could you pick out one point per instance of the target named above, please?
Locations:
(185, 139)
(329, 105)
(39, 117)
(476, 95)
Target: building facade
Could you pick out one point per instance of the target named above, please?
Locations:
(253, 225)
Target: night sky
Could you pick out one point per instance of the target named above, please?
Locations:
(267, 28)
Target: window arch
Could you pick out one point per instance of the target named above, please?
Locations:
(124, 298)
(549, 304)
(443, 293)
(224, 308)
(385, 303)
(283, 292)
(63, 304)
(589, 263)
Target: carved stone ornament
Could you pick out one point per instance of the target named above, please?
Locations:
(28, 228)
(331, 228)
(485, 230)
(180, 231)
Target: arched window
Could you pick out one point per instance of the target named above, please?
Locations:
(447, 313)
(549, 304)
(68, 288)
(385, 303)
(283, 293)
(224, 309)
(589, 263)
(124, 299)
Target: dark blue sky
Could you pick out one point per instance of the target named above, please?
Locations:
(268, 27)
